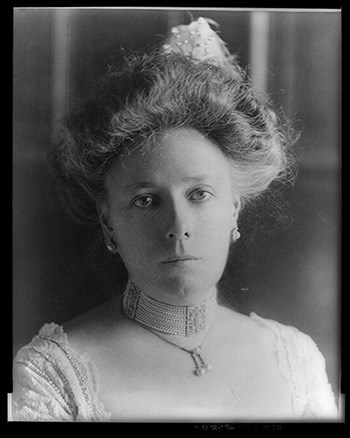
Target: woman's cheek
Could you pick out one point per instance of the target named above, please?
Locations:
(220, 218)
(135, 233)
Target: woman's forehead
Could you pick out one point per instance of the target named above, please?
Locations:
(182, 155)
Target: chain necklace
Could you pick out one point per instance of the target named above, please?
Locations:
(201, 367)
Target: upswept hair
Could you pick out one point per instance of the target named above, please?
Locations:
(151, 93)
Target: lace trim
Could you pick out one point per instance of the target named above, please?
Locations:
(284, 360)
(49, 381)
(83, 368)
(55, 365)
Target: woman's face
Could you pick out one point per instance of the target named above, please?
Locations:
(170, 211)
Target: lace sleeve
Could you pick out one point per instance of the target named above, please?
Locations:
(301, 361)
(318, 395)
(53, 382)
(36, 397)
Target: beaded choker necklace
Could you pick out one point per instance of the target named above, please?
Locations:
(166, 318)
(172, 320)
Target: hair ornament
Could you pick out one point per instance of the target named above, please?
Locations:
(200, 42)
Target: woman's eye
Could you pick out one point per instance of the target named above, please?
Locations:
(200, 195)
(144, 201)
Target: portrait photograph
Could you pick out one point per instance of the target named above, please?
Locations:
(176, 215)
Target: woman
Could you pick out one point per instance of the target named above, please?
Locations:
(164, 156)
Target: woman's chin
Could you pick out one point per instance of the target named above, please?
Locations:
(179, 283)
(188, 288)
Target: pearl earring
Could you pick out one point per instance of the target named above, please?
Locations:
(235, 235)
(111, 246)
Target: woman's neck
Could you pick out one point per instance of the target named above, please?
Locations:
(170, 321)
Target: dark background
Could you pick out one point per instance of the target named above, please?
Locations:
(286, 265)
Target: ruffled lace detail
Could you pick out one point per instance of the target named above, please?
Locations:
(55, 382)
(302, 364)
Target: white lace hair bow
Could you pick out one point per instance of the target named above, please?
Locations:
(199, 41)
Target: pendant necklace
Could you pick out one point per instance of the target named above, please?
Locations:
(201, 367)
(185, 321)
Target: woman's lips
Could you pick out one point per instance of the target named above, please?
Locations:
(181, 259)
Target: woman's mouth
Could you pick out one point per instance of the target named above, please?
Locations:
(180, 259)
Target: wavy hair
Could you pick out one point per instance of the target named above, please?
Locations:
(151, 93)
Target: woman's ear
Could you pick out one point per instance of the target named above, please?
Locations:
(236, 208)
(103, 216)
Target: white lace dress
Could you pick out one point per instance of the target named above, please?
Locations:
(53, 382)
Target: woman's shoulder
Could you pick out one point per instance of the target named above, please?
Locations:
(93, 329)
(299, 360)
(53, 380)
(297, 345)
(283, 335)
(48, 343)
(301, 352)
(296, 352)
(54, 342)
(41, 374)
(289, 334)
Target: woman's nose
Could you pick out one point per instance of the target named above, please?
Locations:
(178, 235)
(179, 224)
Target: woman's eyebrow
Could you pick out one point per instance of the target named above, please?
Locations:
(140, 185)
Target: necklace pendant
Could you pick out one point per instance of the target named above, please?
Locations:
(200, 371)
(203, 369)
